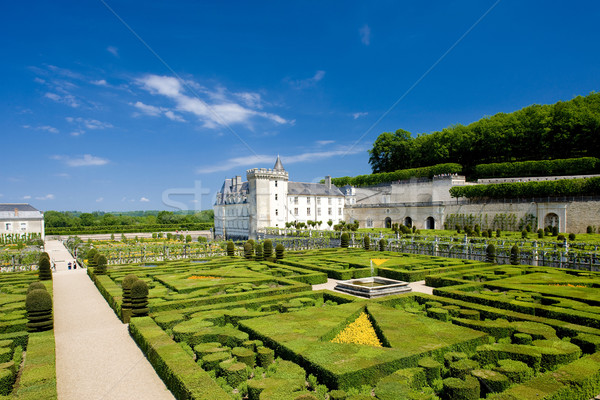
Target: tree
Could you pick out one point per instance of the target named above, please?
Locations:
(344, 240)
(268, 248)
(330, 222)
(391, 151)
(230, 249)
(279, 250)
(367, 243)
(515, 255)
(490, 253)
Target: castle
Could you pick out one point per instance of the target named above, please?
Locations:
(269, 200)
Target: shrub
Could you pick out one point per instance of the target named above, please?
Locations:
(498, 232)
(367, 243)
(230, 249)
(462, 368)
(555, 231)
(36, 285)
(524, 234)
(91, 254)
(540, 233)
(491, 381)
(560, 238)
(279, 250)
(515, 255)
(515, 371)
(38, 304)
(100, 261)
(455, 388)
(258, 250)
(433, 369)
(590, 229)
(490, 253)
(126, 285)
(344, 240)
(188, 238)
(139, 298)
(268, 248)
(244, 355)
(248, 250)
(45, 273)
(265, 356)
(572, 236)
(382, 244)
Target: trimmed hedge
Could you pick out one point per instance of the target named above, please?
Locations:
(398, 175)
(38, 379)
(562, 187)
(458, 389)
(184, 378)
(83, 230)
(558, 167)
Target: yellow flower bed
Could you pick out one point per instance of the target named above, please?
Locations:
(203, 277)
(360, 331)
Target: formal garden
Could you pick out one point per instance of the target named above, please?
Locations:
(248, 324)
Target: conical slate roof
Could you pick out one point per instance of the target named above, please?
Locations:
(278, 165)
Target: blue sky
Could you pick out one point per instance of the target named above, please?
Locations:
(154, 103)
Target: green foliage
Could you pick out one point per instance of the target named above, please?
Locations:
(344, 240)
(230, 249)
(572, 236)
(91, 256)
(45, 273)
(279, 250)
(248, 250)
(490, 253)
(38, 304)
(562, 187)
(100, 262)
(38, 377)
(382, 244)
(366, 243)
(258, 249)
(558, 167)
(467, 389)
(36, 285)
(268, 248)
(540, 233)
(556, 131)
(398, 175)
(139, 298)
(515, 255)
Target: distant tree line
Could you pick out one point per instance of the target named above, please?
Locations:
(568, 129)
(95, 220)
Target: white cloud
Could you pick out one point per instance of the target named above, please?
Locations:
(223, 111)
(67, 99)
(99, 199)
(46, 128)
(100, 82)
(256, 160)
(304, 83)
(325, 142)
(147, 109)
(26, 197)
(77, 133)
(46, 197)
(365, 35)
(89, 123)
(357, 115)
(113, 50)
(81, 161)
(144, 200)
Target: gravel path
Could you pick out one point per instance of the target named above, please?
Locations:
(96, 359)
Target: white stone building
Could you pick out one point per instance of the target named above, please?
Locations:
(269, 199)
(21, 219)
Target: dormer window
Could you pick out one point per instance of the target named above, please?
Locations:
(275, 183)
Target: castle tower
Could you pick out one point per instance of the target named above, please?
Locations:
(267, 199)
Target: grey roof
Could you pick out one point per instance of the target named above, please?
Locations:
(315, 189)
(229, 188)
(18, 206)
(278, 165)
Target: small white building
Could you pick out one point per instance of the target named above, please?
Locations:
(269, 199)
(21, 219)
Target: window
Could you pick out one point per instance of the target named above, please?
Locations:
(23, 226)
(275, 196)
(318, 212)
(296, 200)
(329, 201)
(308, 211)
(275, 183)
(339, 202)
(339, 211)
(318, 201)
(308, 200)
(8, 226)
(369, 222)
(329, 211)
(276, 212)
(296, 211)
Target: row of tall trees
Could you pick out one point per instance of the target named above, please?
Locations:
(562, 130)
(60, 219)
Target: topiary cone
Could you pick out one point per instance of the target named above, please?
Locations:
(45, 273)
(279, 249)
(38, 304)
(139, 298)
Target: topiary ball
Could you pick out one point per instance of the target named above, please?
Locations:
(38, 300)
(128, 281)
(139, 289)
(100, 261)
(36, 285)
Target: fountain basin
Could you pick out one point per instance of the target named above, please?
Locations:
(373, 287)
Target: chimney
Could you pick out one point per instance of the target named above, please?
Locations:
(16, 212)
(328, 181)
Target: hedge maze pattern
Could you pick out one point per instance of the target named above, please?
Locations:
(232, 327)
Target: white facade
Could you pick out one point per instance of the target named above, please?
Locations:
(269, 199)
(21, 219)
